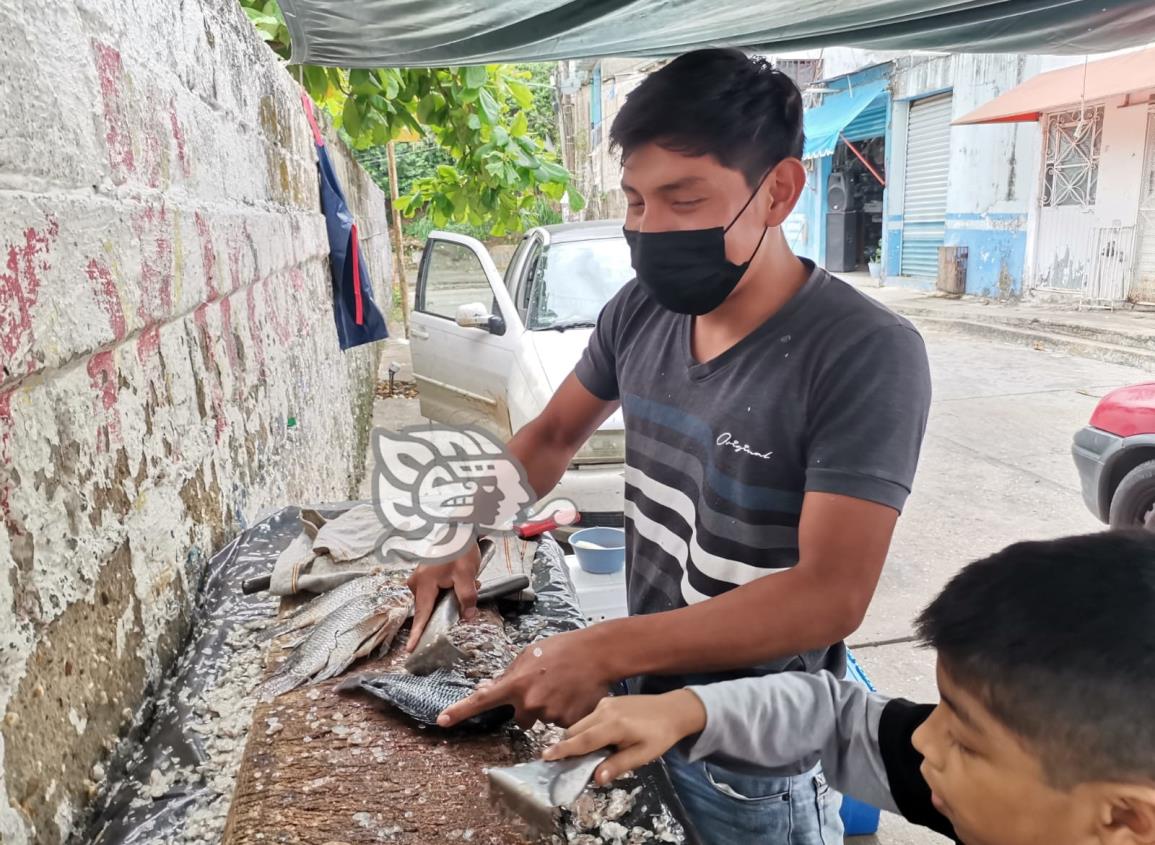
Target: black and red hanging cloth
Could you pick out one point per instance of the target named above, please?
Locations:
(358, 319)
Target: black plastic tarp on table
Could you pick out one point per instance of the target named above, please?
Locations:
(221, 609)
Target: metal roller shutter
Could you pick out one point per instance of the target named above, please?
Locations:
(924, 194)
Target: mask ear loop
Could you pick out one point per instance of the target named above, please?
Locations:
(761, 182)
(758, 247)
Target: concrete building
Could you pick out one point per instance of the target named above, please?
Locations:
(591, 93)
(1089, 226)
(902, 163)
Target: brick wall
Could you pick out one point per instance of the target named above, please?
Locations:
(164, 312)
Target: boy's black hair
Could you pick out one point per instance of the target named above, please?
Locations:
(716, 102)
(1058, 640)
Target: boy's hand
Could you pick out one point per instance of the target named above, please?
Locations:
(640, 727)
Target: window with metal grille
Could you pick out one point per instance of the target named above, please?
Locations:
(1071, 167)
(804, 72)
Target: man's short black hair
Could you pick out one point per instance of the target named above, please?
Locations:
(723, 103)
(1058, 640)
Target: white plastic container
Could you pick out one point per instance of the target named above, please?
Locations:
(601, 597)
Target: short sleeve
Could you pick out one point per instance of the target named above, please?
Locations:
(867, 417)
(597, 369)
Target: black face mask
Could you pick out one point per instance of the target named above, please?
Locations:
(686, 271)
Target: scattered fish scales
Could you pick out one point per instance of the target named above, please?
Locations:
(485, 648)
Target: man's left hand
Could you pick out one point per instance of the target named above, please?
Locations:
(559, 679)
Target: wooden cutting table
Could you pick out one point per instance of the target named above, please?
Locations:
(327, 767)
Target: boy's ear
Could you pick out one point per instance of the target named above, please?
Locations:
(1129, 815)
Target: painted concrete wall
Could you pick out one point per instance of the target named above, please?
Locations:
(164, 312)
(597, 168)
(993, 169)
(805, 228)
(1091, 251)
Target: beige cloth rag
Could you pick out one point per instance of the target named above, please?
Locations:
(329, 552)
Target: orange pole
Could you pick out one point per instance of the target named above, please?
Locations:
(862, 158)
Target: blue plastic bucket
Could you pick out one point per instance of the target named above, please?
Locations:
(601, 561)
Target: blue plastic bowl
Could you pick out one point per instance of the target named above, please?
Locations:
(604, 561)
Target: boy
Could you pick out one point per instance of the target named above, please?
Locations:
(1045, 729)
(773, 420)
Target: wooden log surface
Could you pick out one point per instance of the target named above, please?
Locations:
(327, 768)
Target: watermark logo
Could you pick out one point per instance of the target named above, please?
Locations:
(436, 488)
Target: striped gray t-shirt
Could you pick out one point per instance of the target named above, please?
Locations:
(830, 394)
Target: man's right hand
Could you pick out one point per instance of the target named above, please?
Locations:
(428, 580)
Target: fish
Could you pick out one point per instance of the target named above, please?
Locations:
(484, 650)
(348, 633)
(424, 697)
(318, 608)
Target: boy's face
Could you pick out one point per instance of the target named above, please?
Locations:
(991, 786)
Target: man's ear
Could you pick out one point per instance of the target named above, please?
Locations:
(784, 185)
(1128, 816)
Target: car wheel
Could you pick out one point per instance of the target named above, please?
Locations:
(1133, 505)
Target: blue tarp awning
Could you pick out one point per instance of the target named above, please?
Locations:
(824, 123)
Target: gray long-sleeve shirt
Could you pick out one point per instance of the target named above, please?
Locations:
(788, 722)
(864, 740)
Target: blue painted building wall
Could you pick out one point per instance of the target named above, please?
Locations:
(993, 176)
(996, 251)
(805, 229)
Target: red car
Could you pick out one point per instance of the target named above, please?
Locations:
(1115, 455)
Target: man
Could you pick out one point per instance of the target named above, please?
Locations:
(773, 420)
(1044, 733)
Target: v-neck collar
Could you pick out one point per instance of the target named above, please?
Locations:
(701, 370)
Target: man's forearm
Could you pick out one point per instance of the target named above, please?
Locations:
(779, 615)
(544, 457)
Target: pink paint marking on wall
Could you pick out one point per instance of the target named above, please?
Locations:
(178, 137)
(240, 241)
(155, 153)
(281, 326)
(297, 277)
(212, 373)
(102, 374)
(107, 296)
(19, 291)
(208, 255)
(256, 331)
(228, 335)
(151, 227)
(148, 343)
(117, 137)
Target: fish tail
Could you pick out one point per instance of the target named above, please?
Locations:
(278, 685)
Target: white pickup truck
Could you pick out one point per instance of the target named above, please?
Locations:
(491, 350)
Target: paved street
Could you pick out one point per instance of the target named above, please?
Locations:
(996, 468)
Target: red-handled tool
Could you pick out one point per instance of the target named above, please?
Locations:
(564, 516)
